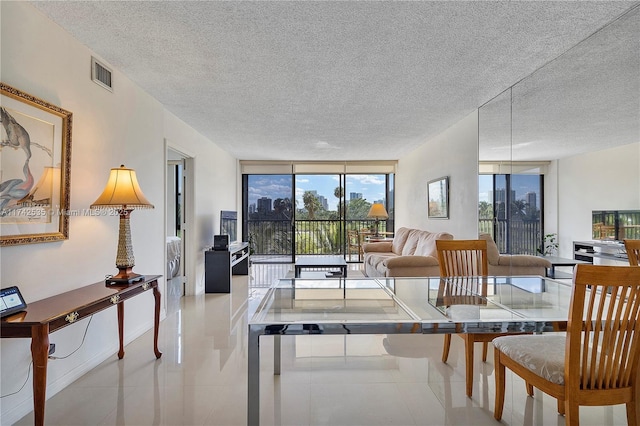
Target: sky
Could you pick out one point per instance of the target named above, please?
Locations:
(372, 187)
(520, 183)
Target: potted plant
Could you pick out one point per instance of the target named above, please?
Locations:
(549, 245)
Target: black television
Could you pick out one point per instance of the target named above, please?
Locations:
(615, 225)
(229, 225)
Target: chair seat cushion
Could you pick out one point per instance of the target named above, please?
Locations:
(542, 354)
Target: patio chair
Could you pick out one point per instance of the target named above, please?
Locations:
(633, 251)
(596, 362)
(353, 244)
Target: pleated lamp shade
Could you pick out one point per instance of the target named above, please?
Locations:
(122, 191)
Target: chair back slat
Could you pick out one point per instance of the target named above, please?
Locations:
(631, 345)
(462, 258)
(602, 346)
(633, 251)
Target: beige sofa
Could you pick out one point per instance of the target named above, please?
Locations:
(412, 253)
(516, 264)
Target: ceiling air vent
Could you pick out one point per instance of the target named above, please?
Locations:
(100, 74)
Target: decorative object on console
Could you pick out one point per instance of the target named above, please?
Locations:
(39, 135)
(377, 212)
(124, 194)
(438, 198)
(221, 242)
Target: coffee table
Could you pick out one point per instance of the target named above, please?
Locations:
(560, 261)
(321, 262)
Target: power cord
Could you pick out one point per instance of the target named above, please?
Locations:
(25, 382)
(51, 357)
(81, 343)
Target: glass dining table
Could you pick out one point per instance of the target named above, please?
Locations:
(401, 306)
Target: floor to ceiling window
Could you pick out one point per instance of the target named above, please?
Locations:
(285, 215)
(511, 210)
(268, 207)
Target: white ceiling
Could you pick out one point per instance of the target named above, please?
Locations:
(327, 80)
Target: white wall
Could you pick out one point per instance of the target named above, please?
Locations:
(215, 173)
(602, 180)
(124, 127)
(452, 153)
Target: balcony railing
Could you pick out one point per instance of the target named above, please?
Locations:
(521, 237)
(275, 237)
(326, 237)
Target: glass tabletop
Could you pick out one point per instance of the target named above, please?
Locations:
(330, 300)
(533, 298)
(427, 300)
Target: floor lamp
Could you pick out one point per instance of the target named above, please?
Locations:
(123, 194)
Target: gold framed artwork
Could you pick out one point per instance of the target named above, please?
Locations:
(35, 169)
(438, 198)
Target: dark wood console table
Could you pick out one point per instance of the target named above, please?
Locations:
(220, 265)
(53, 313)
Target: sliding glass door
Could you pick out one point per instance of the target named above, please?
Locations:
(268, 214)
(511, 210)
(299, 214)
(319, 225)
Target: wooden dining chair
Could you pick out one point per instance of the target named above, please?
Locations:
(633, 251)
(459, 259)
(596, 362)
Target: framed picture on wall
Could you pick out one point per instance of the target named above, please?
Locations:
(35, 164)
(438, 198)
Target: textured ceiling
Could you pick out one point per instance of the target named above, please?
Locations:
(327, 80)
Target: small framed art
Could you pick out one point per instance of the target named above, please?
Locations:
(438, 198)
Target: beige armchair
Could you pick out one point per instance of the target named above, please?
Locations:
(516, 264)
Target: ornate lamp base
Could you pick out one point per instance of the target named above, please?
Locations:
(124, 259)
(124, 276)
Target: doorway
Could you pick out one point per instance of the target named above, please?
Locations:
(176, 228)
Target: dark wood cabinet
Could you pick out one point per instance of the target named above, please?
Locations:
(221, 265)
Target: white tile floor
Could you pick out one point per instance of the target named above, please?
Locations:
(201, 379)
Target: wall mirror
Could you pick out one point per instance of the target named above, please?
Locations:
(576, 122)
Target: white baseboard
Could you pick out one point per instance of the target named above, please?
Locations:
(24, 407)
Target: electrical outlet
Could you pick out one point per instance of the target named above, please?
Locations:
(52, 348)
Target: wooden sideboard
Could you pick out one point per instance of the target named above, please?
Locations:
(45, 316)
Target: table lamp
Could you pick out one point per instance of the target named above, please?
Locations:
(377, 212)
(42, 192)
(124, 194)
